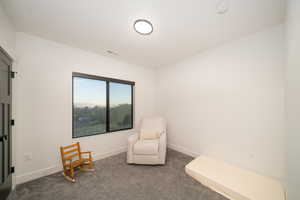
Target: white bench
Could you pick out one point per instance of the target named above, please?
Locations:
(233, 182)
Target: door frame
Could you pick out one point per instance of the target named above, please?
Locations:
(5, 57)
(6, 187)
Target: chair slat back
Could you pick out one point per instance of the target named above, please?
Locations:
(70, 157)
(70, 152)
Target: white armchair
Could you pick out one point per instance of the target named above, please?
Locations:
(149, 152)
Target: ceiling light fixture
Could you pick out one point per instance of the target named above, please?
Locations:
(143, 27)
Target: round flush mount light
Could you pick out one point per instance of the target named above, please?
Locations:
(143, 27)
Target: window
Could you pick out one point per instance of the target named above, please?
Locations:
(101, 105)
(120, 106)
(89, 101)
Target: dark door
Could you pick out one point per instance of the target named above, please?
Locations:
(5, 125)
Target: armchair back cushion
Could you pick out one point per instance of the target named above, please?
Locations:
(154, 124)
(149, 134)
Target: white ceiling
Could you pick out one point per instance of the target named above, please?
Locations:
(181, 28)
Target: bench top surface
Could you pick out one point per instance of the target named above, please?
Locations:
(234, 181)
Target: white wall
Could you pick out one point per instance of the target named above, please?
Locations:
(7, 33)
(293, 98)
(44, 102)
(228, 102)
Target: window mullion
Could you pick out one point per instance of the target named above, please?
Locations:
(107, 108)
(132, 110)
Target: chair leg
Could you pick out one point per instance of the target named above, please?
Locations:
(67, 175)
(91, 165)
(88, 168)
(72, 174)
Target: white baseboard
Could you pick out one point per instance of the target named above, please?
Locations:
(111, 153)
(56, 168)
(37, 174)
(183, 150)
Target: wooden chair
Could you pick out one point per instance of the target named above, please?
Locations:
(72, 159)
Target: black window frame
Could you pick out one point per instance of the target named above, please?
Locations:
(107, 80)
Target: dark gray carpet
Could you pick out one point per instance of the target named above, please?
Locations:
(113, 179)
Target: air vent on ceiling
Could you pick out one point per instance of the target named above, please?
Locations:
(112, 52)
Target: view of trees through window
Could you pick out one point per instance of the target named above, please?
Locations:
(120, 106)
(89, 99)
(90, 106)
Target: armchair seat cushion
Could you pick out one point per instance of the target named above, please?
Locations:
(146, 147)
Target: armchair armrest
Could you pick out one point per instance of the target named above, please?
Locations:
(162, 147)
(132, 139)
(89, 154)
(86, 152)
